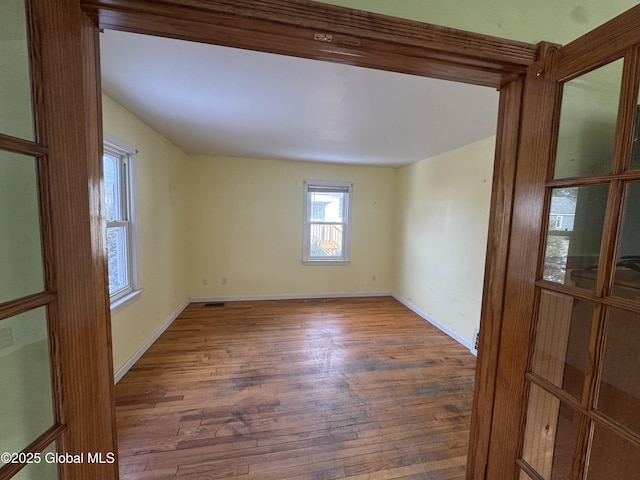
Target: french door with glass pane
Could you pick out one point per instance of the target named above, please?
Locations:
(568, 386)
(55, 360)
(566, 397)
(30, 391)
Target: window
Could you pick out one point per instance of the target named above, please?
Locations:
(326, 222)
(118, 162)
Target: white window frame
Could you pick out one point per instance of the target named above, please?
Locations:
(126, 154)
(343, 187)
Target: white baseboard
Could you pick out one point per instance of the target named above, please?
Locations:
(136, 356)
(433, 321)
(293, 296)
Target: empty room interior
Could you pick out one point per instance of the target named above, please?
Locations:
(223, 141)
(274, 267)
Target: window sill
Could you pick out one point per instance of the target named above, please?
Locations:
(326, 262)
(122, 302)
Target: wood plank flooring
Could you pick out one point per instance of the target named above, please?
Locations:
(353, 389)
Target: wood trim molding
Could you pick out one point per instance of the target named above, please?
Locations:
(319, 31)
(22, 305)
(71, 101)
(70, 127)
(24, 147)
(515, 337)
(504, 174)
(9, 470)
(607, 42)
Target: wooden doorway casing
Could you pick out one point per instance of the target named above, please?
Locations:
(66, 148)
(546, 81)
(69, 53)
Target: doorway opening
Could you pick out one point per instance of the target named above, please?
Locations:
(446, 188)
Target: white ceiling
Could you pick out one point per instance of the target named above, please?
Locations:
(222, 101)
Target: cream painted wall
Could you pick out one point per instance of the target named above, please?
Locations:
(245, 225)
(161, 199)
(442, 219)
(523, 20)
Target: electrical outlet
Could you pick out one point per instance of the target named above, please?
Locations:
(373, 278)
(205, 281)
(224, 280)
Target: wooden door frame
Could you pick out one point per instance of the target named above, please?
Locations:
(65, 85)
(541, 108)
(298, 28)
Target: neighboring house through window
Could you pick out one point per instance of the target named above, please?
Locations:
(118, 163)
(327, 217)
(558, 224)
(561, 219)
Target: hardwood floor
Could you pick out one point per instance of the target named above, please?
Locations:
(308, 389)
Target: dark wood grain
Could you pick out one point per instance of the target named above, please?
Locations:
(541, 111)
(68, 105)
(504, 172)
(357, 37)
(24, 304)
(516, 335)
(605, 43)
(38, 445)
(18, 145)
(317, 389)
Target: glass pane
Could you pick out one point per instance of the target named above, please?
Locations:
(21, 272)
(627, 277)
(25, 376)
(588, 122)
(562, 339)
(112, 188)
(635, 155)
(117, 255)
(45, 470)
(611, 457)
(550, 435)
(16, 116)
(326, 240)
(327, 206)
(576, 219)
(524, 476)
(619, 385)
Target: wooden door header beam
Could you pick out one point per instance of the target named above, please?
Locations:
(308, 29)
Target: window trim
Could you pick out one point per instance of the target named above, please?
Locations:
(127, 153)
(345, 258)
